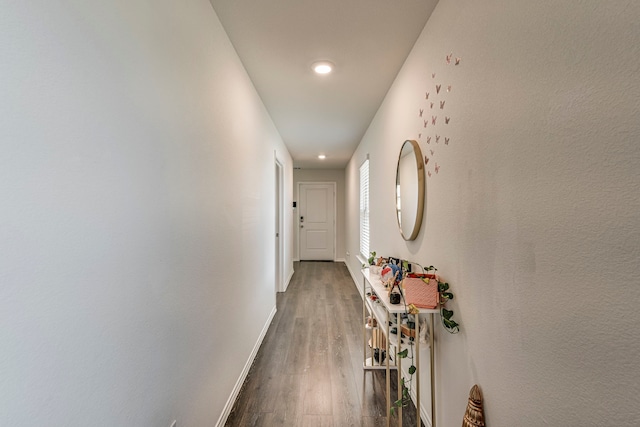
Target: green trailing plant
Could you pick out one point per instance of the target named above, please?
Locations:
(406, 354)
(430, 268)
(447, 322)
(404, 384)
(404, 400)
(446, 295)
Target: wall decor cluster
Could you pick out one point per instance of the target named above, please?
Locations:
(435, 120)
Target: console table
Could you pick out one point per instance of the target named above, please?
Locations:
(377, 306)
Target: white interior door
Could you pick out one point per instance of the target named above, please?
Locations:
(317, 221)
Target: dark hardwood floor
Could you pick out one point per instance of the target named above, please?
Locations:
(308, 371)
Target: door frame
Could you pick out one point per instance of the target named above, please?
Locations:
(279, 224)
(335, 215)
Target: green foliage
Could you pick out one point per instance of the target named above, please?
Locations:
(372, 257)
(406, 397)
(402, 402)
(450, 325)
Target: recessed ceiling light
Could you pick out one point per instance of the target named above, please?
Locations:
(322, 157)
(322, 67)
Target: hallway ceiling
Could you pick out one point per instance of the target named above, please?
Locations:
(367, 40)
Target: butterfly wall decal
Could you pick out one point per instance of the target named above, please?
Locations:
(446, 141)
(421, 111)
(419, 135)
(449, 58)
(425, 123)
(428, 140)
(433, 75)
(457, 61)
(437, 168)
(429, 173)
(431, 105)
(426, 95)
(437, 139)
(432, 152)
(426, 160)
(442, 105)
(438, 88)
(449, 88)
(446, 120)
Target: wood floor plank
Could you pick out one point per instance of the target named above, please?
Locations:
(290, 407)
(318, 421)
(317, 394)
(298, 347)
(346, 404)
(308, 370)
(374, 421)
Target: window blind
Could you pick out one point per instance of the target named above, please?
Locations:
(364, 209)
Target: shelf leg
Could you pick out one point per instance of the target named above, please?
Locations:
(388, 373)
(399, 366)
(364, 326)
(432, 371)
(416, 345)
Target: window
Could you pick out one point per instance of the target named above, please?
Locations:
(364, 209)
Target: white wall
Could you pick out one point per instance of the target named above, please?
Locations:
(137, 214)
(534, 216)
(322, 175)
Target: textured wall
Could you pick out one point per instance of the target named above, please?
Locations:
(534, 214)
(137, 207)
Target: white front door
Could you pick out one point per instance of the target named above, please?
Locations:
(317, 221)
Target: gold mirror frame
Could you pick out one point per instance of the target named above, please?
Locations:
(420, 188)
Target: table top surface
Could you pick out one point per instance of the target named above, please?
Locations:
(383, 295)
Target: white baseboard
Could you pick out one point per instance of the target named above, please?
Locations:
(357, 281)
(243, 375)
(286, 283)
(340, 260)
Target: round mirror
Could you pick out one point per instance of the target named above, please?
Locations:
(410, 190)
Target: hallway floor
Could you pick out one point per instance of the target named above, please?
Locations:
(308, 371)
